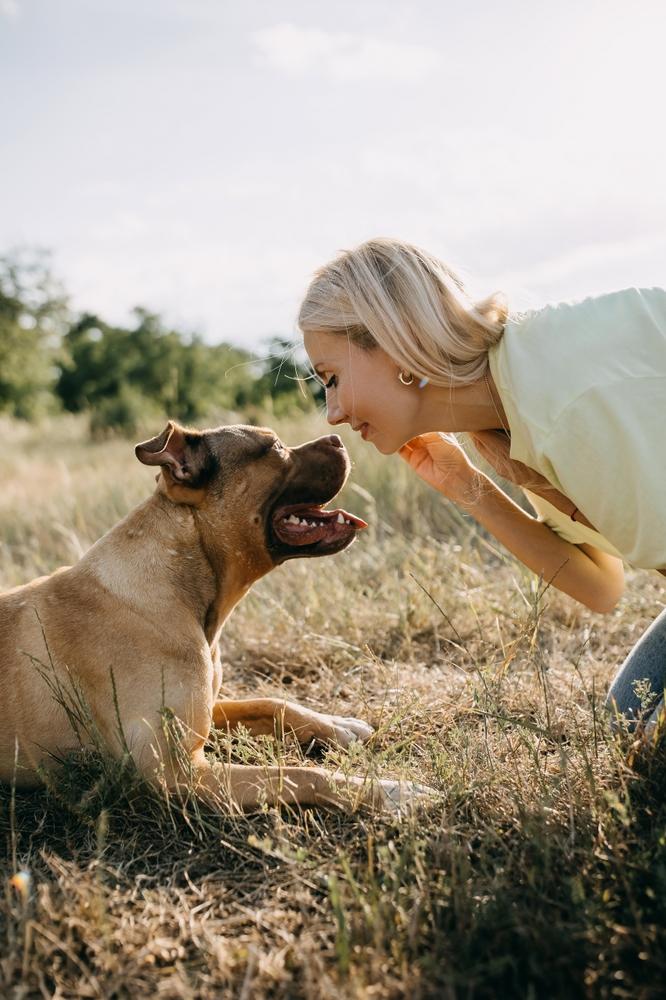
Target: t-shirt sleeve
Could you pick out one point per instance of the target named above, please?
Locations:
(570, 531)
(609, 447)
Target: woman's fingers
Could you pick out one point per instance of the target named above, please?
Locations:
(434, 442)
(416, 444)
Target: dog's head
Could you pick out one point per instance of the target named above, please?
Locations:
(254, 489)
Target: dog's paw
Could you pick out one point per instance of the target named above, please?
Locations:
(339, 730)
(399, 797)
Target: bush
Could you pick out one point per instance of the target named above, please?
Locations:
(121, 414)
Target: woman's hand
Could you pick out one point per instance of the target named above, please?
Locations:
(440, 461)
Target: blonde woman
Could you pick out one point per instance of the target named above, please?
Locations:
(568, 402)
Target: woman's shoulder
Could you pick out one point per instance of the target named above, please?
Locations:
(588, 352)
(633, 302)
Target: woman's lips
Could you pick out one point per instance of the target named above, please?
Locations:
(364, 430)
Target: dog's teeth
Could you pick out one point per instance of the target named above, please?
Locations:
(340, 519)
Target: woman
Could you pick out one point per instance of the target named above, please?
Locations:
(569, 402)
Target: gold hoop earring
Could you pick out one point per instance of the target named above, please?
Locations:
(405, 377)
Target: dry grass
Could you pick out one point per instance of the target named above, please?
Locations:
(541, 873)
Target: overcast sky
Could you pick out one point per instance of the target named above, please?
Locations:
(202, 157)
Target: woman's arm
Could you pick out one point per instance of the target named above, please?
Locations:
(584, 572)
(495, 447)
(581, 571)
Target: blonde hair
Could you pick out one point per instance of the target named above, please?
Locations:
(393, 295)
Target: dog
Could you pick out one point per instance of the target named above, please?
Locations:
(133, 627)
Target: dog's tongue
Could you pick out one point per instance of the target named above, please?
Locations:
(302, 525)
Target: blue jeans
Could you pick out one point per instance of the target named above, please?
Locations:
(637, 692)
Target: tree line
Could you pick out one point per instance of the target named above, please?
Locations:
(54, 360)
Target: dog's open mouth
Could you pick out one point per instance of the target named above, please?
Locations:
(307, 524)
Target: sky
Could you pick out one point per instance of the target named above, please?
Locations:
(201, 158)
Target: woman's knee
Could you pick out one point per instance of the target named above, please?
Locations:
(639, 684)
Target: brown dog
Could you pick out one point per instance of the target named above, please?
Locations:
(133, 628)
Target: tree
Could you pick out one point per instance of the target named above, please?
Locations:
(33, 314)
(116, 372)
(285, 380)
(51, 359)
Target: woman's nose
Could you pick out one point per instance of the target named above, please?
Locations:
(334, 414)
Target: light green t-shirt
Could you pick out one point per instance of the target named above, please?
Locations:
(583, 386)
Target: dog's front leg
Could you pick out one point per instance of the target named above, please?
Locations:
(187, 771)
(248, 789)
(271, 716)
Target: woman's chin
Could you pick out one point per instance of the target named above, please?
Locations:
(384, 447)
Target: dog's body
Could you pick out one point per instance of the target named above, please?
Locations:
(132, 629)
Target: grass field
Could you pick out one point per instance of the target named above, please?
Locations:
(540, 873)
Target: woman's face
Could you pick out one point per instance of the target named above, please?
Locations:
(363, 390)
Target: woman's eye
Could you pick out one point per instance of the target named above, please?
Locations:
(332, 382)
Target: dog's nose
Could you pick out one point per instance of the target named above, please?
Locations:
(335, 440)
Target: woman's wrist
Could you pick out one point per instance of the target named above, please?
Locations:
(469, 491)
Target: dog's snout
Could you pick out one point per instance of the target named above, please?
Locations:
(335, 440)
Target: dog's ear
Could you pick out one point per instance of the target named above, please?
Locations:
(183, 453)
